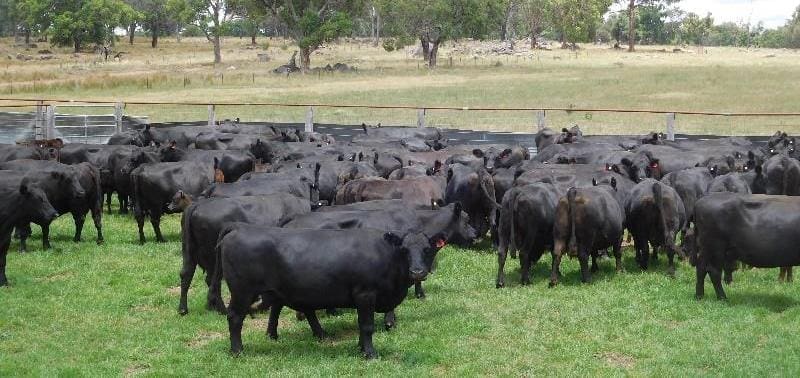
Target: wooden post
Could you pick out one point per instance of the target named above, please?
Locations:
(212, 116)
(39, 125)
(86, 128)
(420, 118)
(671, 126)
(118, 115)
(541, 120)
(309, 120)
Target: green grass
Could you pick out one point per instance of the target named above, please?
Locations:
(83, 309)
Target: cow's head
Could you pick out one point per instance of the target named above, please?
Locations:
(454, 222)
(262, 151)
(171, 152)
(69, 183)
(419, 251)
(34, 203)
(180, 201)
(147, 136)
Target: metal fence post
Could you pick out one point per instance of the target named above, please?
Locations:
(310, 120)
(118, 116)
(39, 123)
(50, 122)
(420, 118)
(85, 128)
(212, 116)
(671, 126)
(541, 120)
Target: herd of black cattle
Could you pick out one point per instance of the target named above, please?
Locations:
(297, 220)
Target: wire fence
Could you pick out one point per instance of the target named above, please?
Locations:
(593, 121)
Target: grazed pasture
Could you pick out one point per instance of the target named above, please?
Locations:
(714, 79)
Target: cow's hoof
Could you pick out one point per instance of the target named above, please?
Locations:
(183, 311)
(552, 284)
(500, 285)
(76, 240)
(420, 295)
(100, 241)
(236, 353)
(370, 355)
(388, 326)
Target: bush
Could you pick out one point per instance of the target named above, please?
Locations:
(192, 31)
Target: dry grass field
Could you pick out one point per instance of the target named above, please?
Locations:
(711, 79)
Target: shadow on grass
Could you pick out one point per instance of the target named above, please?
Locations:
(773, 302)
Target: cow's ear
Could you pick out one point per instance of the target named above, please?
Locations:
(434, 206)
(478, 153)
(594, 181)
(379, 124)
(438, 241)
(751, 155)
(616, 169)
(23, 189)
(626, 162)
(360, 156)
(393, 239)
(449, 174)
(181, 194)
(216, 163)
(614, 183)
(457, 208)
(507, 152)
(608, 167)
(731, 162)
(437, 165)
(147, 127)
(173, 144)
(759, 170)
(564, 130)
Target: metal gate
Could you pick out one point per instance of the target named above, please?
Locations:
(84, 128)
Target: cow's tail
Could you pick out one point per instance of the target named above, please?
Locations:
(186, 231)
(571, 194)
(216, 280)
(137, 206)
(658, 198)
(787, 188)
(512, 222)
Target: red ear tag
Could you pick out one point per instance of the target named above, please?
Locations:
(440, 243)
(653, 165)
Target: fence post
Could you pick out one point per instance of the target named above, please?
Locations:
(212, 116)
(420, 118)
(86, 128)
(541, 120)
(50, 122)
(39, 125)
(671, 126)
(118, 116)
(310, 120)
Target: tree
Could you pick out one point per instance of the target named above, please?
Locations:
(155, 17)
(633, 19)
(696, 29)
(793, 29)
(33, 16)
(181, 13)
(313, 23)
(78, 22)
(534, 12)
(576, 20)
(251, 14)
(209, 16)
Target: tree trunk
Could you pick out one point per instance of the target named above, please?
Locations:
(253, 36)
(632, 26)
(434, 53)
(77, 43)
(507, 31)
(154, 40)
(27, 37)
(305, 59)
(178, 33)
(426, 49)
(131, 33)
(217, 51)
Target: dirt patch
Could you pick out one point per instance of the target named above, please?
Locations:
(204, 338)
(135, 370)
(618, 360)
(59, 276)
(175, 290)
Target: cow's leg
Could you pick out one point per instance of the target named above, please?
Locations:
(556, 254)
(671, 261)
(4, 244)
(237, 311)
(365, 304)
(123, 203)
(79, 217)
(108, 201)
(501, 263)
(140, 224)
(700, 289)
(789, 274)
(389, 320)
(785, 274)
(583, 257)
(155, 220)
(595, 268)
(187, 273)
(617, 248)
(332, 311)
(272, 325)
(525, 264)
(716, 279)
(313, 322)
(419, 292)
(46, 236)
(214, 296)
(22, 233)
(644, 254)
(97, 218)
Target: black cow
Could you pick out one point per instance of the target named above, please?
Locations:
(122, 162)
(155, 185)
(732, 183)
(9, 152)
(758, 230)
(202, 222)
(494, 157)
(654, 213)
(473, 187)
(395, 204)
(782, 174)
(691, 185)
(526, 221)
(418, 191)
(63, 185)
(308, 270)
(588, 220)
(21, 201)
(233, 164)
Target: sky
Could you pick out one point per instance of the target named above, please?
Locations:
(773, 13)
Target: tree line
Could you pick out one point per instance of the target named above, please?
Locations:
(394, 24)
